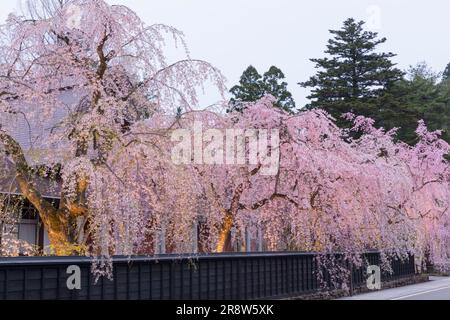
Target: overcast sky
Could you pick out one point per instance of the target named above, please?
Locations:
(232, 34)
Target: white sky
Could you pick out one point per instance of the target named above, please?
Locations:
(232, 34)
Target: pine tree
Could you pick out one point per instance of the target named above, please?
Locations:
(446, 73)
(354, 75)
(248, 90)
(252, 87)
(273, 84)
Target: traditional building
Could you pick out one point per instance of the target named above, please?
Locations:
(28, 133)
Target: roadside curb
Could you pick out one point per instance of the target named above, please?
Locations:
(337, 294)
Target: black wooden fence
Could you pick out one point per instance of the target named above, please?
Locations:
(212, 277)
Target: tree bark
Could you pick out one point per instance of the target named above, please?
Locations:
(56, 221)
(224, 243)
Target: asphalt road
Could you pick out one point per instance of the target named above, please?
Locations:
(438, 288)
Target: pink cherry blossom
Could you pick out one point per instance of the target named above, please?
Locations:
(102, 98)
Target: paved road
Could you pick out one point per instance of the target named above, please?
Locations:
(438, 288)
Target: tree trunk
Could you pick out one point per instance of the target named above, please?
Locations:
(57, 222)
(58, 233)
(224, 243)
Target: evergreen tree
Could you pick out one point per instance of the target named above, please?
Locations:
(252, 87)
(248, 90)
(419, 96)
(354, 75)
(273, 84)
(446, 74)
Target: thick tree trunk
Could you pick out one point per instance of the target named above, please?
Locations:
(58, 233)
(57, 222)
(224, 243)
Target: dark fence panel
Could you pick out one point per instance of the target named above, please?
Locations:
(212, 277)
(400, 269)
